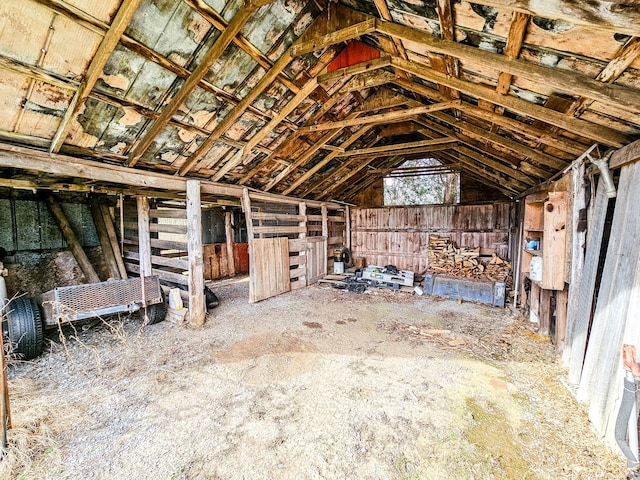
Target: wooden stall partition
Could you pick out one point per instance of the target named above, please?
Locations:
(400, 235)
(168, 241)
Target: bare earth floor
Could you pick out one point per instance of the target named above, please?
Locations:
(315, 384)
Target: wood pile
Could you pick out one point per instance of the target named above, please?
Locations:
(465, 262)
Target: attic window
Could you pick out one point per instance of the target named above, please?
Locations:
(421, 182)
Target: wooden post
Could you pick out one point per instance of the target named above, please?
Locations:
(325, 221)
(534, 303)
(105, 244)
(545, 312)
(71, 239)
(113, 239)
(347, 223)
(197, 310)
(144, 237)
(302, 211)
(246, 207)
(228, 230)
(561, 317)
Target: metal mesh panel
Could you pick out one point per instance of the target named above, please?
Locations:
(83, 301)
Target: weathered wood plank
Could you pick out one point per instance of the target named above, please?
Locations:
(270, 268)
(197, 308)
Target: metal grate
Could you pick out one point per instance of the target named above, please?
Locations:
(64, 304)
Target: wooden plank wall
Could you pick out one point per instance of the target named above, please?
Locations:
(302, 226)
(168, 241)
(400, 235)
(615, 321)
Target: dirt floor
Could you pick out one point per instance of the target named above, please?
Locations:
(315, 384)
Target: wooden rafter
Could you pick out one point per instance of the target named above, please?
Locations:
(446, 64)
(504, 167)
(190, 83)
(517, 32)
(538, 157)
(388, 117)
(108, 44)
(604, 135)
(561, 143)
(397, 147)
(312, 171)
(611, 16)
(266, 130)
(570, 82)
(629, 52)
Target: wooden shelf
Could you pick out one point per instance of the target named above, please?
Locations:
(536, 230)
(537, 253)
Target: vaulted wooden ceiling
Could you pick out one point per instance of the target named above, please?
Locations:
(312, 99)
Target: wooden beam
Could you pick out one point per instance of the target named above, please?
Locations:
(197, 308)
(303, 178)
(517, 31)
(106, 48)
(192, 81)
(333, 38)
(389, 117)
(236, 113)
(240, 40)
(626, 155)
(230, 240)
(72, 241)
(595, 132)
(21, 158)
(357, 69)
(113, 239)
(518, 148)
(398, 146)
(627, 54)
(561, 143)
(105, 243)
(267, 129)
(307, 155)
(611, 16)
(144, 236)
(570, 82)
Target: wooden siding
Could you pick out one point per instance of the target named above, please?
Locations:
(400, 235)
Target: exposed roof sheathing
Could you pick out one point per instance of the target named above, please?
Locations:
(239, 92)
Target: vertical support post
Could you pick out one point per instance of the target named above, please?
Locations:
(144, 236)
(113, 239)
(72, 240)
(325, 221)
(228, 230)
(246, 207)
(197, 310)
(534, 303)
(561, 318)
(105, 244)
(302, 211)
(545, 312)
(347, 224)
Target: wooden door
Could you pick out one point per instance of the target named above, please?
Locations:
(316, 259)
(269, 268)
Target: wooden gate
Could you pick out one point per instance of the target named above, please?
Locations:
(269, 275)
(316, 259)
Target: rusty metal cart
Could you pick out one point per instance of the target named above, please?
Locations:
(25, 321)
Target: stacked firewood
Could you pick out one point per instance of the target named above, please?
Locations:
(446, 258)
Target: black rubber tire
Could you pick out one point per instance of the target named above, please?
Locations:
(25, 329)
(347, 257)
(157, 311)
